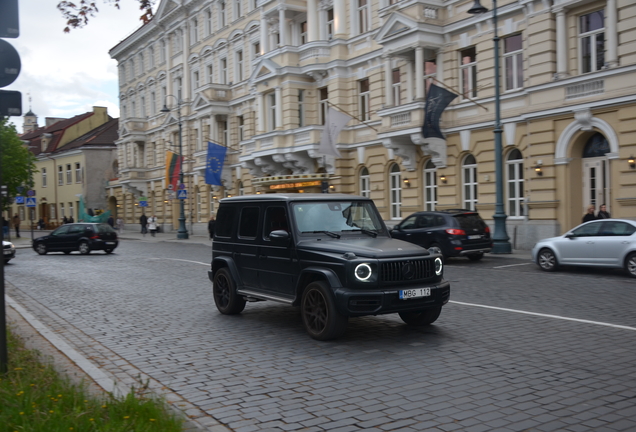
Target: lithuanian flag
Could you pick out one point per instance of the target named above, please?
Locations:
(173, 168)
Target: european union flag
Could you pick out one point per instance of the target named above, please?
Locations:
(214, 165)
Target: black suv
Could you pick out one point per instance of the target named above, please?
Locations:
(457, 232)
(329, 254)
(82, 237)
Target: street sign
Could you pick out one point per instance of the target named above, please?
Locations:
(182, 186)
(171, 195)
(182, 194)
(19, 200)
(31, 192)
(30, 202)
(143, 203)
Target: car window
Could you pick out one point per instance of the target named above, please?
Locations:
(426, 221)
(337, 216)
(439, 220)
(470, 221)
(74, 229)
(409, 223)
(275, 219)
(616, 228)
(224, 221)
(248, 224)
(587, 230)
(61, 230)
(104, 229)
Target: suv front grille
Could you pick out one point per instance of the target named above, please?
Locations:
(408, 270)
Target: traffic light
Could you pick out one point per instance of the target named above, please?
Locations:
(10, 65)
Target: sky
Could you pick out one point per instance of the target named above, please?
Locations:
(66, 74)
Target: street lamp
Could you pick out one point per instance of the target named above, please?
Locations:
(182, 233)
(501, 243)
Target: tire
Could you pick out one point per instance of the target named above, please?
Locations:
(227, 301)
(318, 309)
(108, 251)
(84, 248)
(40, 248)
(630, 264)
(421, 318)
(547, 261)
(67, 252)
(475, 257)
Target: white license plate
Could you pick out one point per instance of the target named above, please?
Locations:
(110, 243)
(414, 293)
(473, 237)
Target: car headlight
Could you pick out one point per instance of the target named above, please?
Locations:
(363, 272)
(439, 266)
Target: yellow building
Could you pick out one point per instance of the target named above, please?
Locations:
(258, 76)
(74, 158)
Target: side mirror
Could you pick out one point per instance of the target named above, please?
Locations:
(279, 235)
(570, 236)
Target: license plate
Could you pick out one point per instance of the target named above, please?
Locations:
(414, 293)
(473, 237)
(110, 243)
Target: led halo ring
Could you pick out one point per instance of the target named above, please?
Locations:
(368, 269)
(438, 266)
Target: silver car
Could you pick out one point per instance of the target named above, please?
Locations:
(599, 243)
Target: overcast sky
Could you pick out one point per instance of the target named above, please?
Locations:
(66, 74)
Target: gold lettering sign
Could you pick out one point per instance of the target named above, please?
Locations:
(295, 185)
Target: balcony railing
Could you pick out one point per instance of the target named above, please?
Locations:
(585, 89)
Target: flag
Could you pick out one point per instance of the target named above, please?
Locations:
(173, 168)
(436, 102)
(334, 123)
(214, 164)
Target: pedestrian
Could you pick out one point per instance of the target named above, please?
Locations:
(589, 216)
(41, 224)
(152, 225)
(211, 223)
(16, 224)
(120, 224)
(143, 221)
(603, 213)
(111, 221)
(5, 227)
(64, 220)
(70, 219)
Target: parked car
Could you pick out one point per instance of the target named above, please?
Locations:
(82, 237)
(456, 232)
(9, 251)
(599, 243)
(329, 254)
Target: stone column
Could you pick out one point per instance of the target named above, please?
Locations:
(340, 19)
(260, 114)
(419, 73)
(264, 34)
(562, 45)
(312, 20)
(282, 23)
(279, 107)
(611, 23)
(388, 81)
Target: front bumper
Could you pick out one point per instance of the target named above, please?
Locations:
(360, 303)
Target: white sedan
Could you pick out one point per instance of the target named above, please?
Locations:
(599, 243)
(9, 251)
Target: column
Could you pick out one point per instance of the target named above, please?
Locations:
(264, 34)
(439, 63)
(419, 73)
(279, 108)
(282, 23)
(562, 45)
(611, 23)
(312, 20)
(388, 81)
(322, 24)
(214, 135)
(260, 114)
(340, 19)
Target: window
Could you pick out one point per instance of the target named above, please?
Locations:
(195, 80)
(176, 42)
(396, 87)
(43, 177)
(365, 183)
(141, 63)
(162, 51)
(256, 49)
(514, 165)
(301, 108)
(275, 219)
(131, 69)
(224, 133)
(222, 14)
(225, 221)
(223, 71)
(241, 128)
(153, 103)
(210, 72)
(303, 32)
(143, 107)
(330, 23)
(469, 177)
(430, 186)
(52, 214)
(78, 173)
(122, 72)
(62, 212)
(151, 57)
(592, 41)
(237, 9)
(395, 184)
(324, 105)
(208, 22)
(430, 72)
(240, 188)
(194, 31)
(513, 61)
(69, 174)
(363, 16)
(468, 72)
(363, 101)
(271, 111)
(248, 223)
(133, 108)
(239, 66)
(177, 85)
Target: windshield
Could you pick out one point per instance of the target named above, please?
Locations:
(336, 217)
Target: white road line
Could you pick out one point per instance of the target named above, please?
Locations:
(546, 315)
(177, 259)
(512, 265)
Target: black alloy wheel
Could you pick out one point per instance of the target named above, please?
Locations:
(421, 318)
(84, 248)
(320, 317)
(547, 260)
(227, 301)
(41, 249)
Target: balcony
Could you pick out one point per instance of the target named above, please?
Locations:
(216, 92)
(405, 116)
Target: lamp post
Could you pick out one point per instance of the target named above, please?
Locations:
(182, 233)
(501, 243)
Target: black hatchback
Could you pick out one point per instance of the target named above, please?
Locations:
(457, 232)
(82, 237)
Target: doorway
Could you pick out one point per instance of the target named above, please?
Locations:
(596, 173)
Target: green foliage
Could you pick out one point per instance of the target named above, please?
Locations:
(34, 398)
(16, 162)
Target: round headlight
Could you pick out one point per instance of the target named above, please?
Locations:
(363, 272)
(438, 266)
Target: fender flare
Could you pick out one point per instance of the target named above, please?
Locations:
(228, 262)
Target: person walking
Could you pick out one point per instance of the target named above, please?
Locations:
(603, 213)
(16, 224)
(152, 225)
(111, 221)
(70, 219)
(64, 220)
(143, 221)
(211, 223)
(120, 224)
(589, 216)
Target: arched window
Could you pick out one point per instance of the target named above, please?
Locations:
(514, 164)
(596, 146)
(395, 185)
(469, 182)
(430, 186)
(365, 183)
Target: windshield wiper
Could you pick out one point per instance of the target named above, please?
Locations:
(363, 231)
(329, 233)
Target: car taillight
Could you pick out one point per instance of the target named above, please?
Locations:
(95, 237)
(487, 230)
(454, 231)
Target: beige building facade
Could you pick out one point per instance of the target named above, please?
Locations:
(259, 76)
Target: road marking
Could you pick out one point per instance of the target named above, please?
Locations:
(546, 315)
(177, 259)
(512, 265)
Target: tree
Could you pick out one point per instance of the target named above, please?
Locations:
(17, 163)
(77, 15)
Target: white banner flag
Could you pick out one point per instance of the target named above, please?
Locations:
(334, 123)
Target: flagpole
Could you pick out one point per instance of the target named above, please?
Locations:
(352, 116)
(463, 95)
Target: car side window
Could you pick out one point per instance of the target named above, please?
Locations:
(588, 230)
(426, 221)
(409, 223)
(248, 223)
(63, 230)
(74, 229)
(615, 228)
(225, 221)
(275, 219)
(439, 221)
